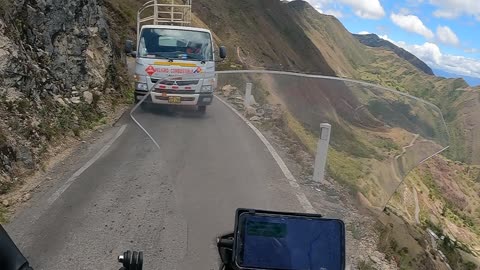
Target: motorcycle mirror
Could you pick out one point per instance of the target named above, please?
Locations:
(10, 256)
(287, 241)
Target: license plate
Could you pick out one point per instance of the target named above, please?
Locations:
(174, 100)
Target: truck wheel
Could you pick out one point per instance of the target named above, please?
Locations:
(202, 109)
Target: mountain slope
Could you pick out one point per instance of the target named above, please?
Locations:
(372, 40)
(293, 36)
(262, 34)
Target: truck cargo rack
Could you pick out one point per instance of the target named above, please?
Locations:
(165, 12)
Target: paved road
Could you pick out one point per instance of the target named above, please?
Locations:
(171, 203)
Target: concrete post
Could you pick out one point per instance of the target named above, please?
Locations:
(322, 152)
(248, 94)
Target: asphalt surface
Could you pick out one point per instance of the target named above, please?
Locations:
(170, 202)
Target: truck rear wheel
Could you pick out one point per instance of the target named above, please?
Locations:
(202, 109)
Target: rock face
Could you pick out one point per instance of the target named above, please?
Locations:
(88, 97)
(54, 54)
(68, 38)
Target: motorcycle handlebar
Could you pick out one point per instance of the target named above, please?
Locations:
(10, 256)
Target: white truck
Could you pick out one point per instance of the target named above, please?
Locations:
(176, 60)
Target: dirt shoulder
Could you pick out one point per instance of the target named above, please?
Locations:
(61, 158)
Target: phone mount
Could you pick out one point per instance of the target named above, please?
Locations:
(265, 240)
(131, 260)
(225, 250)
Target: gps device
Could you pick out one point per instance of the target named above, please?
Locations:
(288, 241)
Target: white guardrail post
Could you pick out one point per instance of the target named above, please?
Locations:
(248, 94)
(322, 152)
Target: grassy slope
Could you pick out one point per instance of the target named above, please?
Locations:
(462, 112)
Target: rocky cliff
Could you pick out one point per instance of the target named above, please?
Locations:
(59, 74)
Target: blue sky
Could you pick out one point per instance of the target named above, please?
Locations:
(443, 33)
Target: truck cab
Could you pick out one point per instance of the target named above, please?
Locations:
(175, 63)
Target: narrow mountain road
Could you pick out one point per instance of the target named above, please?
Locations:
(171, 203)
(404, 149)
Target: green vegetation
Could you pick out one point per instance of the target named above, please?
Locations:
(345, 140)
(297, 130)
(392, 249)
(386, 144)
(5, 187)
(340, 165)
(450, 249)
(401, 113)
(344, 169)
(456, 210)
(427, 179)
(3, 214)
(459, 217)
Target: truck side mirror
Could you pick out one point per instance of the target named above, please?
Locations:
(128, 47)
(223, 52)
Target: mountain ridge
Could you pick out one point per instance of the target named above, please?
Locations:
(373, 40)
(472, 81)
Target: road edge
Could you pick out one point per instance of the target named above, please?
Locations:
(87, 165)
(302, 198)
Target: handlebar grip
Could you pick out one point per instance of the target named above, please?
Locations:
(131, 260)
(10, 257)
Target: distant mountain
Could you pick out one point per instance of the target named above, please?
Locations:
(373, 40)
(470, 80)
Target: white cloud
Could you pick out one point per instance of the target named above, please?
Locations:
(428, 52)
(318, 8)
(414, 3)
(446, 36)
(431, 54)
(411, 23)
(404, 11)
(385, 37)
(471, 50)
(367, 9)
(320, 5)
(334, 12)
(450, 9)
(446, 14)
(363, 33)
